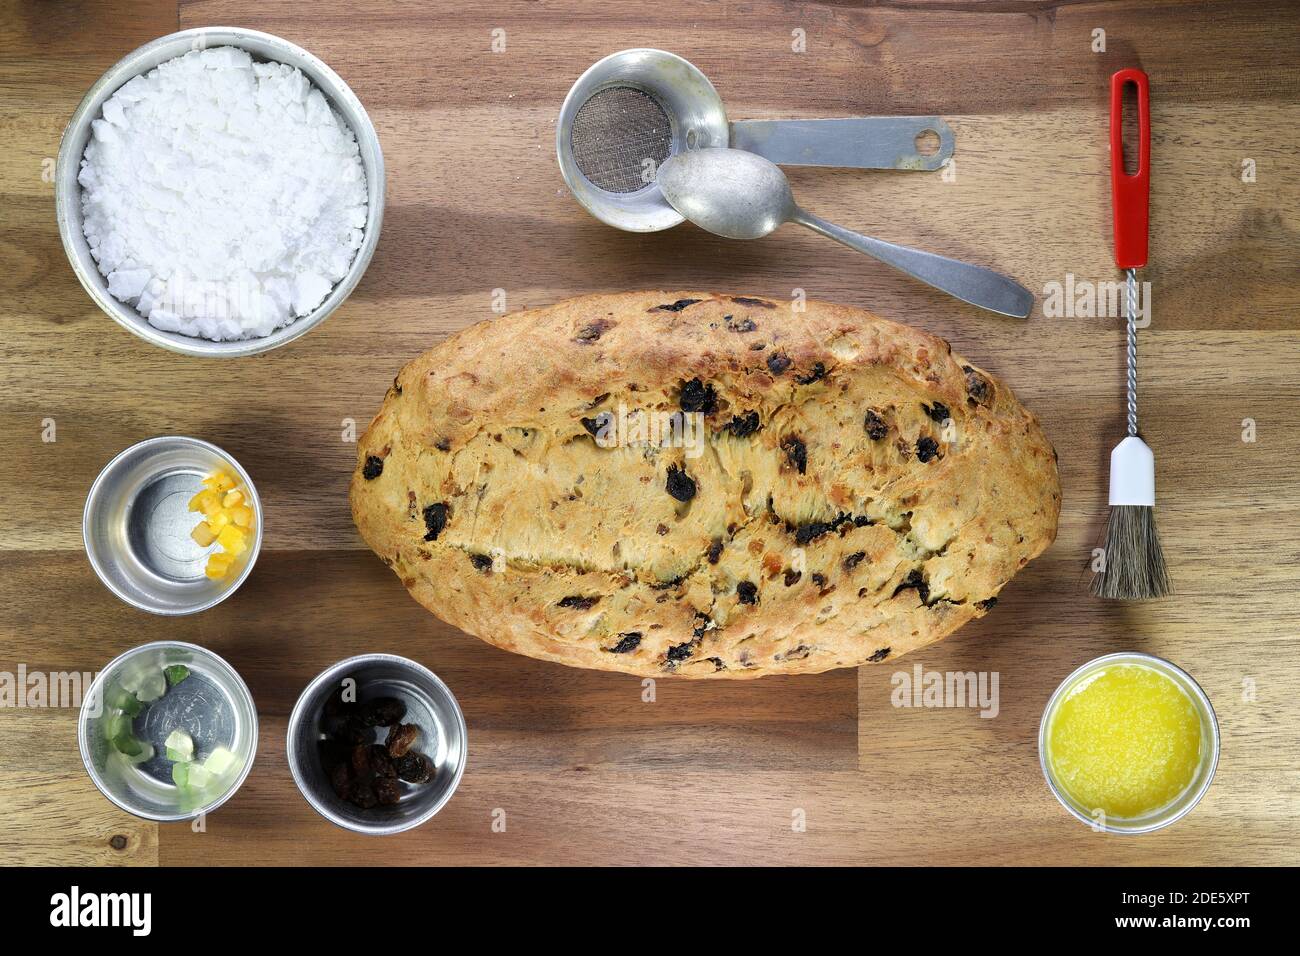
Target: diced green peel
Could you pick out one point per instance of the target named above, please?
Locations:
(176, 673)
(220, 761)
(123, 700)
(179, 746)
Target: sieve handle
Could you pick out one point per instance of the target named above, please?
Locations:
(863, 142)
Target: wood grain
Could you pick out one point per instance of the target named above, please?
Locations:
(584, 770)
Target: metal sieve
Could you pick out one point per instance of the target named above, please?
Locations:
(633, 109)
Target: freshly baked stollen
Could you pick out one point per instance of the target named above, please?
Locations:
(808, 489)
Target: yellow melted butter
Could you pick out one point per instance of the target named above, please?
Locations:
(1126, 740)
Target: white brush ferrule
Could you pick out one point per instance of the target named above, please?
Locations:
(1132, 473)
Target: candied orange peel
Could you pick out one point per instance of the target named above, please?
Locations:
(228, 522)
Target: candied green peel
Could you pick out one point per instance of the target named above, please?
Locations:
(200, 782)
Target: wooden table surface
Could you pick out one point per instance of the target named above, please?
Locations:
(782, 770)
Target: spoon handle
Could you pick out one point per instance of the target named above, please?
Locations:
(974, 284)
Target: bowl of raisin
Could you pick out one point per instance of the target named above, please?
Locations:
(377, 744)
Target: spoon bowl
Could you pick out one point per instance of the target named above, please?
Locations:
(746, 196)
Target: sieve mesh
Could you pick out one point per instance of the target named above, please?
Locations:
(615, 132)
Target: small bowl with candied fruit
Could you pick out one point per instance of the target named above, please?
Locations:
(377, 744)
(172, 525)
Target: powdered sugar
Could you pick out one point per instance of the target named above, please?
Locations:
(221, 197)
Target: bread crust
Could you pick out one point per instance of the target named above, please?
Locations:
(881, 498)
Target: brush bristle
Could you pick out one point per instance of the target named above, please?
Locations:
(1135, 565)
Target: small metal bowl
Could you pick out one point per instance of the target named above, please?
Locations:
(262, 46)
(430, 705)
(212, 704)
(137, 524)
(1179, 808)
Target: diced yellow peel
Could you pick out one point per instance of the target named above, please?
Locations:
(232, 540)
(218, 565)
(229, 521)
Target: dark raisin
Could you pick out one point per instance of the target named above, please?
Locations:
(388, 792)
(669, 584)
(414, 767)
(778, 362)
(717, 664)
(744, 325)
(442, 444)
(796, 653)
(436, 517)
(977, 386)
(680, 652)
(816, 375)
(745, 300)
(590, 333)
(594, 425)
(861, 521)
(578, 602)
(747, 591)
(819, 579)
(879, 655)
(715, 550)
(938, 412)
(382, 712)
(986, 604)
(810, 532)
(875, 426)
(627, 643)
(853, 560)
(481, 562)
(680, 485)
(349, 730)
(741, 426)
(373, 468)
(816, 529)
(926, 448)
(362, 794)
(360, 760)
(792, 577)
(796, 452)
(381, 764)
(698, 397)
(915, 580)
(401, 738)
(675, 306)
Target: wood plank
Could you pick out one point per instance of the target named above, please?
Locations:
(708, 773)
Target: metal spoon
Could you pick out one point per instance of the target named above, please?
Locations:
(740, 195)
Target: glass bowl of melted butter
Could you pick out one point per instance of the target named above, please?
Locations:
(1129, 743)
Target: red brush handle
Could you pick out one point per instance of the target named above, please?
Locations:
(1129, 192)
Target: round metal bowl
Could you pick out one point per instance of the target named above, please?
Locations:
(212, 704)
(262, 46)
(430, 705)
(136, 526)
(1179, 808)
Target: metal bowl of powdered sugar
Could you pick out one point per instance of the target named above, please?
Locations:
(220, 191)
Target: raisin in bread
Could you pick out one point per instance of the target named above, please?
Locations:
(703, 485)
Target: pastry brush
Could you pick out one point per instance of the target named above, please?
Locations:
(1134, 565)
